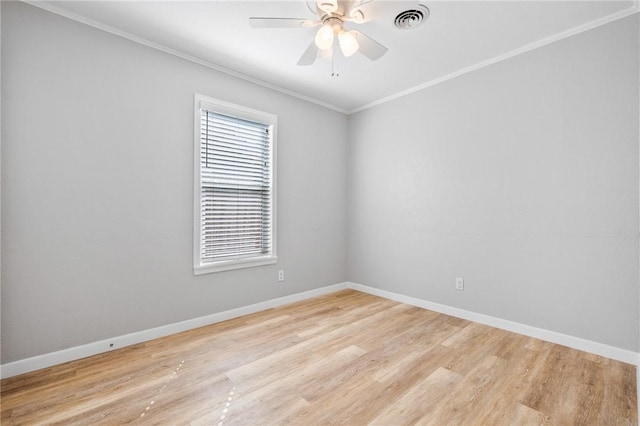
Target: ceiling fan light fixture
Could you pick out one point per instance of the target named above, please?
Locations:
(324, 37)
(331, 34)
(328, 6)
(348, 43)
(326, 54)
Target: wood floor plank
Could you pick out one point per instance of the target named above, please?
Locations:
(556, 393)
(470, 395)
(525, 416)
(344, 358)
(420, 400)
(523, 370)
(619, 404)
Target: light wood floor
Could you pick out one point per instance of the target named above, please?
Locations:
(347, 358)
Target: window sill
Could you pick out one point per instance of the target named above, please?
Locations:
(228, 265)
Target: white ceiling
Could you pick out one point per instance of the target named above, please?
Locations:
(458, 36)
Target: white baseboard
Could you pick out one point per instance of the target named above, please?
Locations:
(82, 351)
(612, 352)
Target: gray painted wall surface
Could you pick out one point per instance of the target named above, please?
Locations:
(97, 174)
(521, 177)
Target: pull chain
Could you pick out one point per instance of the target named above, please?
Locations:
(334, 63)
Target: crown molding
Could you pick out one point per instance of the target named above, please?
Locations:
(524, 49)
(635, 8)
(157, 46)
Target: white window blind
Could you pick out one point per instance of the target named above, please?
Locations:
(235, 189)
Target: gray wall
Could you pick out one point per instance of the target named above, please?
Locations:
(97, 174)
(521, 177)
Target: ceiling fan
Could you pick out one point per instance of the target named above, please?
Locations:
(332, 16)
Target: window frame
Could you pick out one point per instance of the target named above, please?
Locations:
(238, 111)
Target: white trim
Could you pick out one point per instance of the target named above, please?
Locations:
(82, 351)
(143, 41)
(637, 3)
(223, 107)
(540, 43)
(532, 46)
(229, 265)
(539, 333)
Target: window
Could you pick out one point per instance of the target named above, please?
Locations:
(234, 224)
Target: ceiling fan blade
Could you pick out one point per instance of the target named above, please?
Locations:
(368, 46)
(361, 11)
(282, 23)
(309, 56)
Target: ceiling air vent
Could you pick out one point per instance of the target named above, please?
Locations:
(411, 18)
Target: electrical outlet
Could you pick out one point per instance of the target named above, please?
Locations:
(280, 275)
(459, 283)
